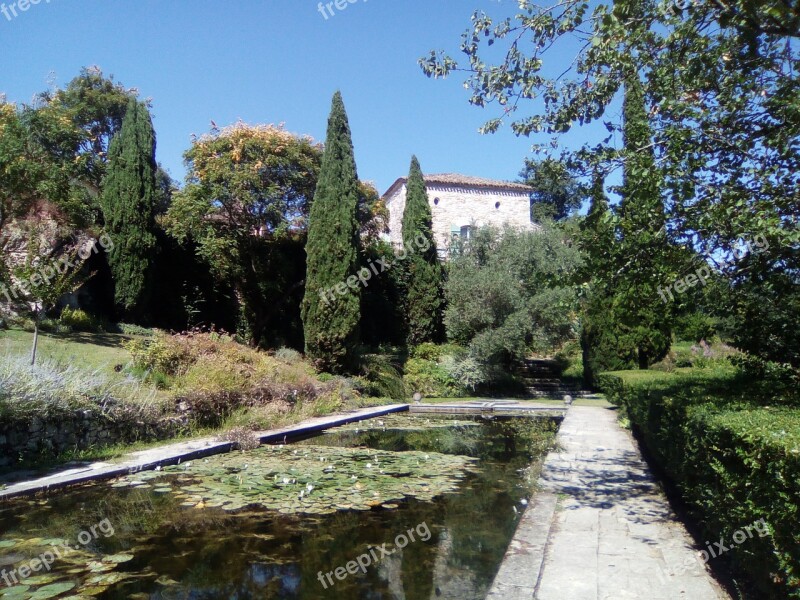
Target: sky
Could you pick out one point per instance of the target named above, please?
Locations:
(277, 61)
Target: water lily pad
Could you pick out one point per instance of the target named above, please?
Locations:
(107, 579)
(51, 591)
(118, 558)
(40, 579)
(294, 480)
(15, 593)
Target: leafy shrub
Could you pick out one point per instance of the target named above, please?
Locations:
(160, 354)
(434, 352)
(210, 407)
(289, 355)
(734, 457)
(45, 324)
(509, 292)
(431, 379)
(50, 388)
(128, 329)
(381, 378)
(78, 320)
(467, 372)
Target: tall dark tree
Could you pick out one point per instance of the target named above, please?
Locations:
(424, 294)
(331, 318)
(645, 265)
(129, 203)
(601, 345)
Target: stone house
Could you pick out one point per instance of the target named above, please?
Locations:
(459, 203)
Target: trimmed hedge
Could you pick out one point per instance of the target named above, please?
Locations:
(733, 451)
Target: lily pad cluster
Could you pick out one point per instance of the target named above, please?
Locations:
(76, 573)
(307, 479)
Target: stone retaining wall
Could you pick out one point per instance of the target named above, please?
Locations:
(25, 440)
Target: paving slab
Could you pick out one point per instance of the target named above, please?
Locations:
(610, 534)
(170, 454)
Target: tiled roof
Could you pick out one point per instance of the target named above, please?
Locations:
(468, 180)
(454, 179)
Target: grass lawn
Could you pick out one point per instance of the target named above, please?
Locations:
(92, 351)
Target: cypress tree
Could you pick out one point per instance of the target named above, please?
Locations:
(128, 203)
(600, 331)
(330, 317)
(424, 297)
(645, 248)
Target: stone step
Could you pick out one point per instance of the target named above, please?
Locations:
(560, 393)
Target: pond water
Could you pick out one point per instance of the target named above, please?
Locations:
(398, 508)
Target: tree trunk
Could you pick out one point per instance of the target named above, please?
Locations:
(35, 338)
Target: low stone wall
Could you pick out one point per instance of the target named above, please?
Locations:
(26, 440)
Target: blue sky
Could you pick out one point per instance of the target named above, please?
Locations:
(277, 61)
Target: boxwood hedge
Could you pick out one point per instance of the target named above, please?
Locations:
(733, 450)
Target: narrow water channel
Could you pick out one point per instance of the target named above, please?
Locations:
(321, 518)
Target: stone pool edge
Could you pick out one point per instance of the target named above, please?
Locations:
(171, 454)
(522, 564)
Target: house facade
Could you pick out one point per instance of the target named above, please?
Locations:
(459, 203)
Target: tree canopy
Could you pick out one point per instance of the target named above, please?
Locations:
(719, 86)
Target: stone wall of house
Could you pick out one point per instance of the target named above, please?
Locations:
(29, 439)
(455, 207)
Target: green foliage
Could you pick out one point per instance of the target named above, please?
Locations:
(644, 263)
(288, 355)
(331, 326)
(718, 91)
(76, 319)
(96, 104)
(38, 162)
(431, 379)
(383, 320)
(246, 200)
(431, 351)
(129, 203)
(734, 456)
(129, 329)
(444, 371)
(556, 191)
(468, 372)
(50, 388)
(159, 354)
(424, 294)
(508, 293)
(764, 311)
(243, 181)
(382, 378)
(694, 327)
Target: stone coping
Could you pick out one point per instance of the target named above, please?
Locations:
(171, 454)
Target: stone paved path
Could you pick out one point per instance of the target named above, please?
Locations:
(612, 535)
